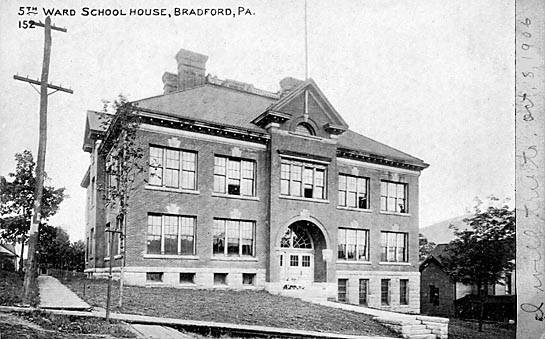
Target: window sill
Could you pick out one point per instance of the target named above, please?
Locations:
(322, 201)
(231, 196)
(171, 256)
(396, 213)
(171, 189)
(222, 258)
(249, 287)
(395, 263)
(360, 262)
(365, 210)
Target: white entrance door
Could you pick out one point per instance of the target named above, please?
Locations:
(296, 258)
(298, 267)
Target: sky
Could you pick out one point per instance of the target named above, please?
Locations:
(432, 78)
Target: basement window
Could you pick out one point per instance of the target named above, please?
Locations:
(187, 278)
(154, 277)
(248, 278)
(220, 278)
(342, 289)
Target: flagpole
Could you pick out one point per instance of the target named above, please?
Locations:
(306, 42)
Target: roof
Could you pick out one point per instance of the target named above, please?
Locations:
(7, 250)
(220, 104)
(439, 252)
(211, 103)
(96, 123)
(356, 141)
(436, 255)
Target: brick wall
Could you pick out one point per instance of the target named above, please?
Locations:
(271, 212)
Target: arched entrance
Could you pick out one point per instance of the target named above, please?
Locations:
(300, 255)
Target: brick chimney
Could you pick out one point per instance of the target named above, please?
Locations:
(288, 84)
(170, 82)
(191, 69)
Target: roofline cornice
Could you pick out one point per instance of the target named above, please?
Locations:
(375, 159)
(159, 118)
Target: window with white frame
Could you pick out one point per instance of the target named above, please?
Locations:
(172, 168)
(393, 197)
(353, 244)
(234, 176)
(353, 191)
(233, 237)
(171, 234)
(394, 247)
(302, 179)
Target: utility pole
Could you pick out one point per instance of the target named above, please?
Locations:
(30, 282)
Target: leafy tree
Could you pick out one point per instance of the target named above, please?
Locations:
(123, 164)
(17, 201)
(77, 255)
(425, 247)
(57, 252)
(483, 254)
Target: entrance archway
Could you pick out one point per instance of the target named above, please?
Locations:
(300, 255)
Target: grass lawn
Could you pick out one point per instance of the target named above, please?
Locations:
(239, 307)
(11, 288)
(463, 329)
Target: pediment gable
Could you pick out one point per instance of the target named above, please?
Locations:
(305, 103)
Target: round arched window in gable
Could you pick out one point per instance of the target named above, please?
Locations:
(304, 128)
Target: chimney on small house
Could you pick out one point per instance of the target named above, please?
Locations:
(191, 72)
(191, 69)
(288, 84)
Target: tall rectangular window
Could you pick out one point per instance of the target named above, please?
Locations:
(393, 197)
(234, 176)
(364, 290)
(154, 234)
(394, 247)
(302, 179)
(172, 168)
(171, 234)
(353, 191)
(92, 243)
(403, 291)
(353, 244)
(385, 291)
(342, 289)
(233, 237)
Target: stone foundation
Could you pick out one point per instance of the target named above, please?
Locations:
(203, 277)
(374, 289)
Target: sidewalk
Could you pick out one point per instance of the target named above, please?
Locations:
(54, 295)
